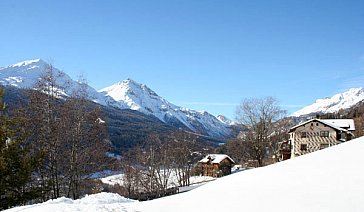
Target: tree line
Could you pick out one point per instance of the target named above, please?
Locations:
(149, 169)
(49, 145)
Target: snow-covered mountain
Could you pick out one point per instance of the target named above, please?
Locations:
(126, 94)
(135, 96)
(225, 120)
(26, 74)
(332, 104)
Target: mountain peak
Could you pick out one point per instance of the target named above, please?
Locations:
(26, 63)
(27, 73)
(131, 92)
(129, 86)
(128, 82)
(126, 94)
(136, 96)
(333, 104)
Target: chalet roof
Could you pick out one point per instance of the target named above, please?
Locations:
(215, 158)
(336, 124)
(342, 123)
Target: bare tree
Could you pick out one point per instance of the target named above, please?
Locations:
(131, 177)
(182, 146)
(84, 139)
(44, 116)
(279, 135)
(150, 168)
(259, 116)
(69, 130)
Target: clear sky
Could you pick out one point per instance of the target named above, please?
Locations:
(201, 54)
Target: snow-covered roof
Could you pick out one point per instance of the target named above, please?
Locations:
(336, 124)
(342, 123)
(215, 158)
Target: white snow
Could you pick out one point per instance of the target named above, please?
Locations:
(338, 124)
(132, 95)
(225, 120)
(113, 179)
(326, 180)
(96, 202)
(25, 63)
(100, 121)
(126, 94)
(27, 73)
(333, 104)
(173, 180)
(215, 158)
(342, 123)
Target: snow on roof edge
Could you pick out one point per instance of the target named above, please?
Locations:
(216, 158)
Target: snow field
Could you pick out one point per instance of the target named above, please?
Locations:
(326, 180)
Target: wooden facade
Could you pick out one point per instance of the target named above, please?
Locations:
(317, 134)
(216, 165)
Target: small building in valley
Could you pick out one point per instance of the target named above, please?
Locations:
(216, 165)
(317, 134)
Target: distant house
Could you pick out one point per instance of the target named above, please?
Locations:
(216, 165)
(317, 134)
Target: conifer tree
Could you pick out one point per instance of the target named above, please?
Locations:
(16, 164)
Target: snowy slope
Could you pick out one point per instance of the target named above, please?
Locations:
(326, 180)
(333, 104)
(96, 202)
(27, 73)
(225, 120)
(135, 96)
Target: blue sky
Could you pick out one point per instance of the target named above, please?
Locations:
(202, 54)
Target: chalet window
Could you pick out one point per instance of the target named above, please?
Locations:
(303, 134)
(324, 133)
(317, 124)
(311, 124)
(303, 147)
(323, 146)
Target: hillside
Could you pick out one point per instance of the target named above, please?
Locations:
(126, 128)
(326, 180)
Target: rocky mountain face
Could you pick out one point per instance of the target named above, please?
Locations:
(132, 95)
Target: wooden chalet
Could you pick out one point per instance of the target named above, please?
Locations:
(216, 165)
(317, 134)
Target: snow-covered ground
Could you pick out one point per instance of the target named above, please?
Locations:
(327, 180)
(96, 202)
(173, 180)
